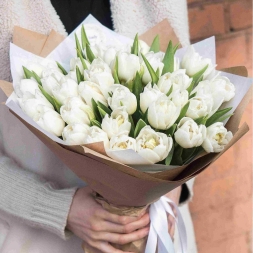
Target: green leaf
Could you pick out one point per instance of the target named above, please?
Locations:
(131, 134)
(170, 91)
(82, 59)
(175, 48)
(190, 88)
(135, 47)
(195, 153)
(110, 94)
(157, 72)
(155, 46)
(79, 75)
(84, 38)
(96, 123)
(95, 110)
(140, 124)
(78, 45)
(225, 117)
(115, 71)
(89, 53)
(188, 153)
(36, 77)
(105, 108)
(196, 77)
(168, 59)
(193, 95)
(64, 72)
(152, 73)
(27, 73)
(171, 130)
(137, 88)
(170, 155)
(183, 112)
(177, 155)
(102, 112)
(57, 104)
(216, 116)
(201, 120)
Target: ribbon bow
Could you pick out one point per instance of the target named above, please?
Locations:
(158, 234)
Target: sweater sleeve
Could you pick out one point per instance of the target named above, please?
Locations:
(29, 197)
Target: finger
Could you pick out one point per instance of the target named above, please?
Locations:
(106, 226)
(119, 238)
(122, 220)
(100, 246)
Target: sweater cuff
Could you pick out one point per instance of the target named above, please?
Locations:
(51, 208)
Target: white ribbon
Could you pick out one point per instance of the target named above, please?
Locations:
(158, 234)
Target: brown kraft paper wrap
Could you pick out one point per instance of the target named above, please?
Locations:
(121, 186)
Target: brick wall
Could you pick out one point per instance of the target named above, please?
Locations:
(222, 202)
(231, 22)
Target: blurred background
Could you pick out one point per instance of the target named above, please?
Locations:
(222, 204)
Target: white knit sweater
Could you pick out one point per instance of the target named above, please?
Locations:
(129, 17)
(22, 193)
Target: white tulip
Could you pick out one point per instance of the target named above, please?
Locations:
(155, 60)
(67, 89)
(179, 97)
(177, 80)
(49, 83)
(104, 80)
(76, 111)
(110, 55)
(128, 65)
(143, 47)
(122, 142)
(72, 75)
(122, 96)
(200, 107)
(89, 90)
(222, 85)
(55, 73)
(75, 134)
(217, 138)
(97, 66)
(193, 63)
(96, 134)
(153, 146)
(49, 120)
(163, 113)
(76, 62)
(38, 68)
(26, 85)
(29, 103)
(189, 134)
(148, 96)
(116, 123)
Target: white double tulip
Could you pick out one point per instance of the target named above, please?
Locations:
(148, 96)
(89, 90)
(143, 47)
(117, 123)
(193, 63)
(96, 134)
(153, 146)
(155, 60)
(179, 97)
(29, 103)
(67, 89)
(189, 134)
(122, 96)
(76, 111)
(109, 55)
(163, 113)
(200, 107)
(49, 83)
(75, 134)
(177, 80)
(122, 142)
(217, 138)
(49, 120)
(26, 85)
(128, 65)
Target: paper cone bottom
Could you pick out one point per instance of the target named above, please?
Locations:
(136, 246)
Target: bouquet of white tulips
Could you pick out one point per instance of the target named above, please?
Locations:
(114, 110)
(134, 98)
